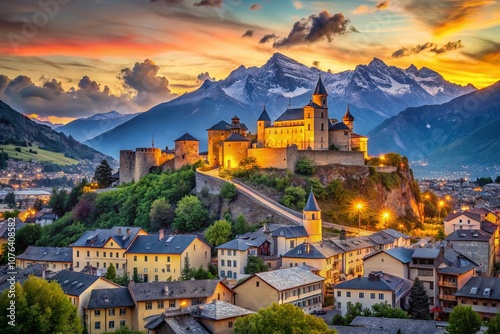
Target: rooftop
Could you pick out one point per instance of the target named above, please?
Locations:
(468, 235)
(425, 253)
(320, 88)
(109, 298)
(122, 235)
(218, 310)
(311, 204)
(235, 137)
(223, 126)
(401, 254)
(186, 137)
(392, 326)
(264, 116)
(170, 244)
(173, 290)
(74, 283)
(294, 114)
(49, 254)
(481, 288)
(289, 278)
(242, 244)
(377, 281)
(292, 231)
(316, 250)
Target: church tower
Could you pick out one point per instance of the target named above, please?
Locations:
(348, 119)
(312, 219)
(263, 122)
(316, 119)
(320, 96)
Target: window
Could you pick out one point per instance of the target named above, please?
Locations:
(112, 244)
(234, 252)
(88, 253)
(117, 256)
(123, 311)
(110, 254)
(221, 252)
(168, 268)
(222, 263)
(104, 265)
(122, 323)
(205, 254)
(464, 301)
(229, 263)
(97, 264)
(77, 264)
(117, 266)
(292, 243)
(424, 272)
(168, 258)
(222, 273)
(97, 325)
(229, 274)
(322, 127)
(172, 303)
(361, 295)
(111, 311)
(257, 284)
(372, 295)
(194, 247)
(156, 258)
(234, 275)
(97, 313)
(431, 286)
(77, 253)
(156, 277)
(235, 264)
(111, 324)
(230, 324)
(339, 293)
(135, 258)
(160, 304)
(104, 254)
(381, 296)
(97, 254)
(145, 258)
(149, 306)
(308, 127)
(156, 270)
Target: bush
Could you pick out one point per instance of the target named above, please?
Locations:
(304, 166)
(228, 191)
(295, 198)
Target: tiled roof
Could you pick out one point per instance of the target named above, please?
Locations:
(180, 325)
(109, 298)
(291, 115)
(170, 244)
(401, 254)
(74, 283)
(457, 270)
(384, 282)
(296, 231)
(186, 137)
(476, 286)
(468, 235)
(311, 204)
(4, 227)
(425, 253)
(264, 116)
(468, 214)
(320, 88)
(242, 244)
(36, 270)
(50, 254)
(381, 238)
(285, 279)
(316, 250)
(488, 226)
(393, 325)
(396, 234)
(351, 244)
(235, 137)
(348, 115)
(223, 126)
(338, 126)
(173, 290)
(218, 310)
(122, 235)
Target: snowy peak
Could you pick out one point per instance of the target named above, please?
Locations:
(377, 64)
(104, 116)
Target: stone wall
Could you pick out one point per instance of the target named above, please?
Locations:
(145, 158)
(127, 166)
(212, 184)
(269, 157)
(186, 152)
(324, 158)
(386, 169)
(479, 252)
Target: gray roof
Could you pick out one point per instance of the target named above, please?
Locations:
(294, 114)
(235, 137)
(264, 116)
(401, 254)
(425, 253)
(289, 278)
(223, 126)
(22, 275)
(218, 310)
(170, 244)
(381, 238)
(468, 214)
(480, 284)
(288, 232)
(316, 250)
(380, 282)
(358, 330)
(186, 137)
(109, 298)
(49, 254)
(320, 88)
(4, 233)
(185, 324)
(488, 226)
(354, 243)
(391, 326)
(451, 270)
(74, 283)
(338, 126)
(175, 290)
(396, 234)
(242, 244)
(468, 235)
(311, 204)
(348, 114)
(97, 238)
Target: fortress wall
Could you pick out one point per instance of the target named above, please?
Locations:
(127, 166)
(145, 158)
(213, 184)
(186, 152)
(323, 158)
(386, 169)
(340, 140)
(269, 157)
(234, 152)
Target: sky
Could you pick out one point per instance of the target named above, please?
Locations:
(66, 59)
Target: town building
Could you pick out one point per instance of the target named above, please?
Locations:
(373, 325)
(45, 217)
(78, 287)
(378, 287)
(482, 294)
(38, 270)
(4, 230)
(95, 250)
(160, 257)
(54, 258)
(450, 280)
(297, 286)
(155, 297)
(108, 310)
(394, 261)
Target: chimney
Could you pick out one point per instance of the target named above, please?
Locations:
(342, 234)
(161, 234)
(128, 232)
(119, 231)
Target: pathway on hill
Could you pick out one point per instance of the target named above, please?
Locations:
(280, 209)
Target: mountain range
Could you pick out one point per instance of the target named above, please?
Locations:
(374, 92)
(47, 123)
(18, 129)
(87, 128)
(463, 131)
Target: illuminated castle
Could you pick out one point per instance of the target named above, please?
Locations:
(294, 133)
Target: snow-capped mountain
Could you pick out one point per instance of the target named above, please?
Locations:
(51, 125)
(374, 92)
(86, 128)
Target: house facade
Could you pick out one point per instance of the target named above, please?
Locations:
(108, 310)
(482, 294)
(54, 258)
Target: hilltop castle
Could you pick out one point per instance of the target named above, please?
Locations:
(299, 132)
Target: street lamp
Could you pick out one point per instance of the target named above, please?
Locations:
(441, 203)
(386, 215)
(359, 206)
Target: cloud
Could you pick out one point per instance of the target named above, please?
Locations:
(489, 52)
(382, 5)
(210, 3)
(297, 4)
(248, 33)
(363, 9)
(431, 47)
(267, 38)
(445, 15)
(204, 76)
(316, 28)
(256, 6)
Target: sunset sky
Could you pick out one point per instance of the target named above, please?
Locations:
(73, 58)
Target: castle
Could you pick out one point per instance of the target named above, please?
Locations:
(305, 132)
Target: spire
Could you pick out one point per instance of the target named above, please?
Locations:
(348, 116)
(320, 88)
(311, 204)
(264, 116)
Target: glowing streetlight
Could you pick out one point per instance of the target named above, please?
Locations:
(359, 206)
(440, 204)
(385, 215)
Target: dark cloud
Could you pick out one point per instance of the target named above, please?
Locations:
(489, 52)
(256, 6)
(88, 85)
(210, 3)
(316, 28)
(267, 38)
(430, 47)
(382, 5)
(248, 33)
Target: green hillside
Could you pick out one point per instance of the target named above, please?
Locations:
(41, 155)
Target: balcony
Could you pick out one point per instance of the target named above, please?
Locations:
(448, 297)
(448, 284)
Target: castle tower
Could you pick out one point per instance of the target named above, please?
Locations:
(348, 119)
(263, 122)
(235, 124)
(186, 151)
(145, 158)
(320, 96)
(127, 166)
(312, 219)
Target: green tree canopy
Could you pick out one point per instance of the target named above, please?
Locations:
(161, 214)
(41, 307)
(10, 199)
(103, 174)
(218, 233)
(111, 273)
(26, 236)
(228, 191)
(304, 166)
(38, 204)
(190, 215)
(255, 265)
(494, 325)
(281, 319)
(295, 198)
(418, 301)
(463, 320)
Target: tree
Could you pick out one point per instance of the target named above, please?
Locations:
(161, 214)
(295, 198)
(228, 191)
(38, 205)
(284, 318)
(463, 320)
(189, 214)
(10, 199)
(255, 265)
(384, 310)
(41, 307)
(354, 310)
(186, 272)
(218, 233)
(111, 273)
(136, 278)
(497, 179)
(11, 214)
(481, 181)
(494, 325)
(123, 280)
(26, 236)
(58, 201)
(418, 301)
(304, 166)
(103, 174)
